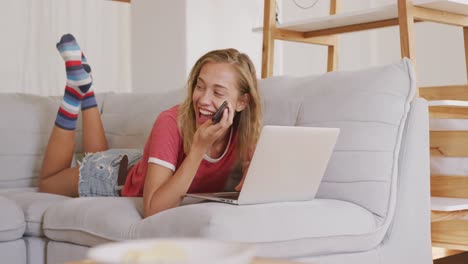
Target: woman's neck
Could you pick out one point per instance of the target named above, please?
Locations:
(219, 146)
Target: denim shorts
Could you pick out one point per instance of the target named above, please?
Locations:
(99, 171)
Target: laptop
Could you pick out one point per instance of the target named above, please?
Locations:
(288, 165)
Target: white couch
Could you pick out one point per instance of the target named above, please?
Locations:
(372, 205)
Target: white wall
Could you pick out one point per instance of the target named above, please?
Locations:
(169, 36)
(220, 24)
(159, 41)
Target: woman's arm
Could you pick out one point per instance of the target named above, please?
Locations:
(165, 189)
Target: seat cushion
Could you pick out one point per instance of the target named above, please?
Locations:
(33, 205)
(58, 252)
(82, 222)
(12, 224)
(13, 252)
(93, 220)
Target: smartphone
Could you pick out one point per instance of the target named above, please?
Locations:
(219, 113)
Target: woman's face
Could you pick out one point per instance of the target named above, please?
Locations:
(216, 83)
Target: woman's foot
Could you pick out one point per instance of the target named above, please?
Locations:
(78, 85)
(89, 100)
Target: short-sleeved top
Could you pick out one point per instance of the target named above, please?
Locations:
(165, 147)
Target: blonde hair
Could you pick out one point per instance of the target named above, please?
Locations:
(247, 122)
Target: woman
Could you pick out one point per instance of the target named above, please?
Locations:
(185, 152)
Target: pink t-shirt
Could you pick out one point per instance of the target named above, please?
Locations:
(165, 147)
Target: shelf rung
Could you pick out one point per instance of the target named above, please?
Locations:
(445, 209)
(446, 92)
(448, 204)
(450, 246)
(449, 103)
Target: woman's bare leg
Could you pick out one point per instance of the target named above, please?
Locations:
(56, 176)
(94, 138)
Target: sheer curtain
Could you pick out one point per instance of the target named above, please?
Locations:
(29, 30)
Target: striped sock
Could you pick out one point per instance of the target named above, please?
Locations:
(89, 100)
(78, 83)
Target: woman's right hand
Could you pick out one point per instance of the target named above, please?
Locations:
(208, 132)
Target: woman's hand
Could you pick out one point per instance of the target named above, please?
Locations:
(208, 132)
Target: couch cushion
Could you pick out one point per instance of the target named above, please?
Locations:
(23, 143)
(128, 118)
(58, 252)
(280, 107)
(12, 224)
(370, 108)
(81, 221)
(93, 220)
(33, 204)
(13, 252)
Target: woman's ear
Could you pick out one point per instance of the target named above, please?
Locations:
(242, 102)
